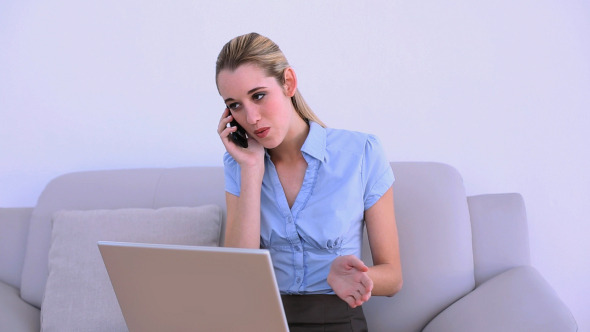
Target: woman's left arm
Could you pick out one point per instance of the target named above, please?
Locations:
(386, 272)
(351, 279)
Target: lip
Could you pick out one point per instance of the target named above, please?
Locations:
(262, 132)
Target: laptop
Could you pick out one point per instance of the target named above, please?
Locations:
(191, 288)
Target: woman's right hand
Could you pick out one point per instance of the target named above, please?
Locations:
(252, 156)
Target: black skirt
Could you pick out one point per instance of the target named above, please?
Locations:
(322, 313)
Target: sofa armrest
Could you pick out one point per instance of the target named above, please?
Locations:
(516, 300)
(499, 233)
(14, 227)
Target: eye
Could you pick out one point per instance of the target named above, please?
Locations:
(233, 106)
(258, 96)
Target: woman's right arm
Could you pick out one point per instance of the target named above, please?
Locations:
(243, 212)
(242, 228)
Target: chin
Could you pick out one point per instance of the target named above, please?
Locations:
(269, 144)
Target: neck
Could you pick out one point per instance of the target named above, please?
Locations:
(290, 149)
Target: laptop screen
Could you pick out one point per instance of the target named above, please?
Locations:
(191, 288)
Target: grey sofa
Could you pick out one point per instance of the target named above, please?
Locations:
(465, 259)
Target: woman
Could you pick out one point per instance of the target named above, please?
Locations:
(303, 191)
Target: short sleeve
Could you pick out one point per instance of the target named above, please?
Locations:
(232, 174)
(376, 171)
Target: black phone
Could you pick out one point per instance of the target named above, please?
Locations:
(239, 136)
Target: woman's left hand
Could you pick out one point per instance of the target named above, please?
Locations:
(349, 279)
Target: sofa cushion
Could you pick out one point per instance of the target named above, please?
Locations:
(111, 189)
(78, 294)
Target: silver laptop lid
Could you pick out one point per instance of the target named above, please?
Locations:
(190, 288)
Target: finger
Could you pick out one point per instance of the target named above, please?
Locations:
(364, 295)
(225, 113)
(356, 263)
(348, 299)
(225, 133)
(352, 302)
(367, 283)
(359, 299)
(360, 296)
(223, 123)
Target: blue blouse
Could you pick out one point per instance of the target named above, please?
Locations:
(347, 172)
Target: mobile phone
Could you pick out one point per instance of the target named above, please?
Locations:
(239, 136)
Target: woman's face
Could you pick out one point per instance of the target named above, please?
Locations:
(258, 103)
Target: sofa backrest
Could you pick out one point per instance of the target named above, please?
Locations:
(14, 228)
(435, 246)
(112, 189)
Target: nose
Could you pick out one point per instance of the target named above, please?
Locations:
(252, 114)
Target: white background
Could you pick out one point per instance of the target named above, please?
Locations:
(498, 89)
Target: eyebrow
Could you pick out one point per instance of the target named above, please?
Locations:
(251, 91)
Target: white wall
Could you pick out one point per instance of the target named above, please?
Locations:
(500, 90)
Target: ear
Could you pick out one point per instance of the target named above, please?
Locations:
(290, 84)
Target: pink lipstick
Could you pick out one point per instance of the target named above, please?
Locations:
(262, 132)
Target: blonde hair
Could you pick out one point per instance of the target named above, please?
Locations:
(256, 49)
